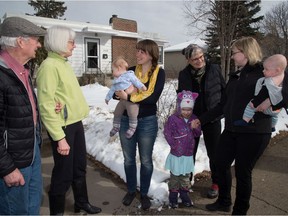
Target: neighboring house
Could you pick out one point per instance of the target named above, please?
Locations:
(97, 45)
(174, 59)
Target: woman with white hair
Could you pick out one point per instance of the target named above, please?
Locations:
(57, 83)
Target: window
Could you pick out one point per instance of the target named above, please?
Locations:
(92, 54)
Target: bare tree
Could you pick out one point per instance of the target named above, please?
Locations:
(275, 27)
(225, 19)
(222, 22)
(197, 13)
(218, 19)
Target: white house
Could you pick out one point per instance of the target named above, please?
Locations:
(96, 45)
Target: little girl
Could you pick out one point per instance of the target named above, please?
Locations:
(180, 130)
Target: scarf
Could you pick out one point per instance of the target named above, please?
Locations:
(141, 95)
(198, 74)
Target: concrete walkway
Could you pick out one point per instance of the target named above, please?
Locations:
(269, 195)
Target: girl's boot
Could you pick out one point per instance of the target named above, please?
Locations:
(184, 195)
(173, 198)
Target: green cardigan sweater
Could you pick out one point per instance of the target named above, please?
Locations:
(56, 82)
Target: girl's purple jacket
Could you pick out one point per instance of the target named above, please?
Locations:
(180, 136)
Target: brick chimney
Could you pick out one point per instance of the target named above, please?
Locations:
(123, 24)
(124, 46)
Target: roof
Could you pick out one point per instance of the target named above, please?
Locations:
(81, 26)
(179, 47)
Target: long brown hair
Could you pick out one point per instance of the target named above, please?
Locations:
(152, 48)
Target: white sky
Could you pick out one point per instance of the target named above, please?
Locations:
(163, 17)
(108, 150)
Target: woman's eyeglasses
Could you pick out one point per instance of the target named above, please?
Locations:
(234, 53)
(197, 59)
(72, 42)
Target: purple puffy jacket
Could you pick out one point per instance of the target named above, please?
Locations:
(180, 136)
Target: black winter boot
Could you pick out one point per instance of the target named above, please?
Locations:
(81, 197)
(56, 204)
(184, 195)
(173, 198)
(218, 206)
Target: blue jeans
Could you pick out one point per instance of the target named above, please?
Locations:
(145, 135)
(26, 199)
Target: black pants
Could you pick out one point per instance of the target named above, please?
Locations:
(245, 149)
(70, 167)
(211, 135)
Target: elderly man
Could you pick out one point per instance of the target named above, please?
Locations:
(20, 138)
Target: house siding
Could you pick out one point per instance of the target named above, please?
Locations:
(174, 62)
(78, 60)
(105, 48)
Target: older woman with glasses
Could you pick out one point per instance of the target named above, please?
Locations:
(206, 79)
(57, 83)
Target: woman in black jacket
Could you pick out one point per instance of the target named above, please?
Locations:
(243, 144)
(206, 79)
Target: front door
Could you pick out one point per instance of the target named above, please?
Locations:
(92, 55)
